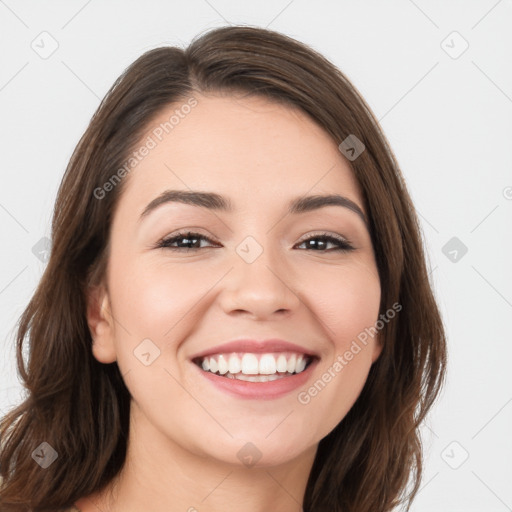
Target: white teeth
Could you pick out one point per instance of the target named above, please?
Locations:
(223, 365)
(291, 363)
(267, 364)
(257, 378)
(213, 365)
(301, 364)
(250, 364)
(235, 366)
(281, 365)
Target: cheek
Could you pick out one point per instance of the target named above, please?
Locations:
(346, 300)
(160, 303)
(155, 299)
(346, 303)
(163, 303)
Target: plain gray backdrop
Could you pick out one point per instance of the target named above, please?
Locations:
(438, 77)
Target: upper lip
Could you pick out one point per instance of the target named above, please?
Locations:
(255, 346)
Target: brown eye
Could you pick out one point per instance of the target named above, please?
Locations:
(185, 241)
(319, 243)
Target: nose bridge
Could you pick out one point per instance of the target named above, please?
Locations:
(258, 283)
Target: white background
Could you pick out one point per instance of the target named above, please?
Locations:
(449, 122)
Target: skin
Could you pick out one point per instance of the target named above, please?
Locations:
(185, 433)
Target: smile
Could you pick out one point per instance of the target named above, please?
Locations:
(254, 367)
(261, 376)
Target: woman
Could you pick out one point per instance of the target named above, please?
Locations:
(236, 312)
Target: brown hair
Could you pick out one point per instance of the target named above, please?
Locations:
(81, 407)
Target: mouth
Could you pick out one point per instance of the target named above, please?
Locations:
(257, 376)
(254, 367)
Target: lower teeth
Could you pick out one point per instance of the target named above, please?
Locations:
(255, 378)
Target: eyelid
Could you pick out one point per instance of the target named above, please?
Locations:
(307, 236)
(339, 237)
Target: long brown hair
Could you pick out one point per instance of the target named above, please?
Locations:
(372, 460)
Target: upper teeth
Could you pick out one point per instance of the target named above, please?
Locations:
(254, 364)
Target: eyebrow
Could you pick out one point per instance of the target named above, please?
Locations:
(217, 202)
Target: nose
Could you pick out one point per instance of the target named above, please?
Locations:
(261, 289)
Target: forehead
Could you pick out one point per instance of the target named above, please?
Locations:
(251, 149)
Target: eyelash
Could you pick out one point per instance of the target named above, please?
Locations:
(343, 244)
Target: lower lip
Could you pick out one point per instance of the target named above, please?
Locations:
(260, 390)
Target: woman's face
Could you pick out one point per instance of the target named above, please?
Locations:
(260, 273)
